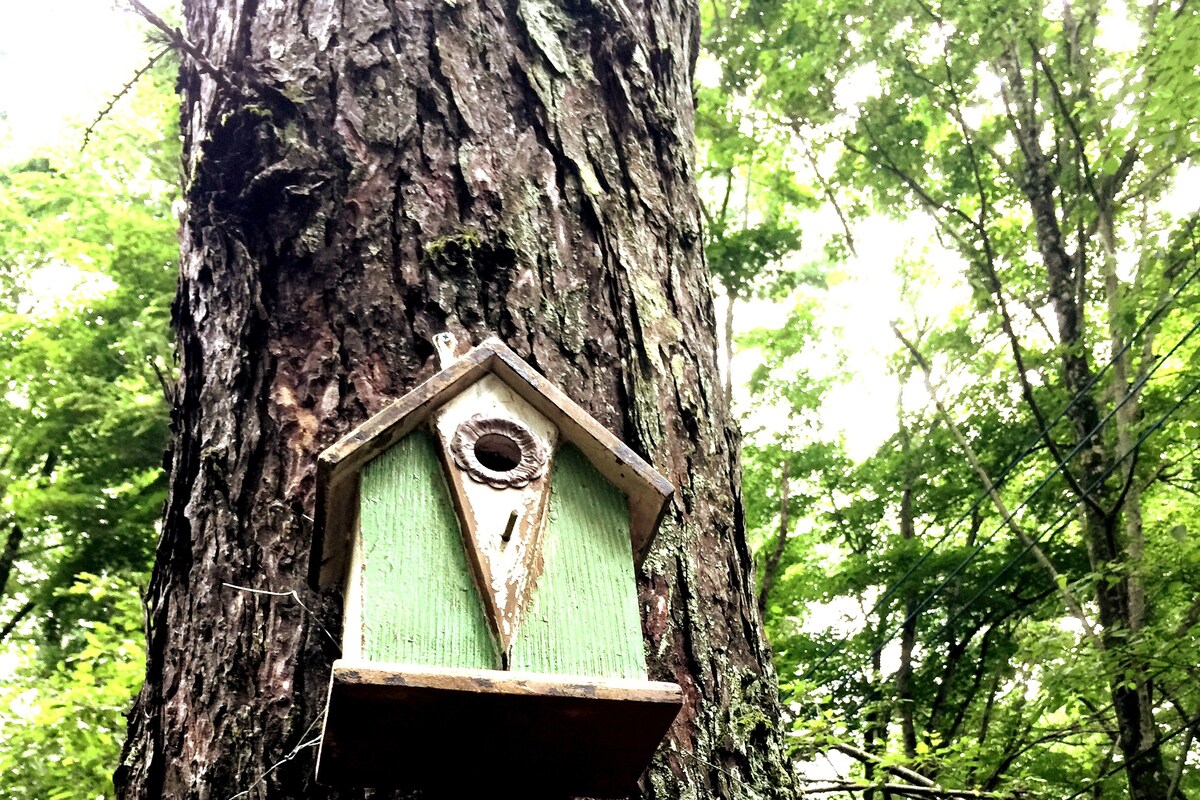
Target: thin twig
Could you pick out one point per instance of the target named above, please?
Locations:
(137, 76)
(303, 744)
(295, 752)
(830, 195)
(168, 388)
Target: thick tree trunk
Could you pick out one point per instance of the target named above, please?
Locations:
(391, 170)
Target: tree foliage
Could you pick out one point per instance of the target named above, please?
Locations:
(87, 268)
(928, 632)
(1034, 640)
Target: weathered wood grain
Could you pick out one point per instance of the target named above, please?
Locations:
(420, 604)
(584, 618)
(506, 569)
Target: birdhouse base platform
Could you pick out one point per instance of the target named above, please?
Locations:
(455, 730)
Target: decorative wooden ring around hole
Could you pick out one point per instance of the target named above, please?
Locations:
(497, 451)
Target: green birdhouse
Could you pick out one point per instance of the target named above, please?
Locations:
(485, 531)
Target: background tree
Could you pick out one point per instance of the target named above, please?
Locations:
(1036, 142)
(359, 178)
(87, 263)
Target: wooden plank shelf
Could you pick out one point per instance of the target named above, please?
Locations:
(458, 730)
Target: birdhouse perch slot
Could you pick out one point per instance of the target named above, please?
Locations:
(485, 531)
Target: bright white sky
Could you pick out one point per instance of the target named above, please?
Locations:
(60, 63)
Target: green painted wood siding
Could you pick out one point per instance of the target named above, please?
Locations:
(584, 619)
(420, 605)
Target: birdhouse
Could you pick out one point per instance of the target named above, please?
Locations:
(485, 531)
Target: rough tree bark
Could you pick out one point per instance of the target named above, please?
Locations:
(359, 177)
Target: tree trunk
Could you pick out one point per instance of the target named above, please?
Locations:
(360, 177)
(908, 628)
(1132, 697)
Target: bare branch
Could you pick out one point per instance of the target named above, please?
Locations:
(188, 48)
(11, 625)
(137, 76)
(1190, 618)
(828, 787)
(165, 383)
(931, 205)
(1043, 423)
(868, 758)
(827, 189)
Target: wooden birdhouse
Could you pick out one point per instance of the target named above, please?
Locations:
(485, 531)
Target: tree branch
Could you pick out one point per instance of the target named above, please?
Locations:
(1076, 135)
(869, 758)
(8, 557)
(137, 76)
(192, 51)
(926, 199)
(827, 189)
(1190, 618)
(908, 790)
(9, 626)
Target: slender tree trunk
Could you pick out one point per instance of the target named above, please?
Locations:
(1132, 700)
(875, 720)
(391, 170)
(908, 629)
(908, 632)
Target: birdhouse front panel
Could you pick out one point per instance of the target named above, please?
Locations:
(418, 600)
(486, 532)
(584, 616)
(497, 450)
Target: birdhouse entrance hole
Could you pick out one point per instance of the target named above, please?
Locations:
(498, 452)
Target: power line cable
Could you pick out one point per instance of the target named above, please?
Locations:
(1064, 518)
(1033, 441)
(1083, 441)
(1125, 764)
(1028, 448)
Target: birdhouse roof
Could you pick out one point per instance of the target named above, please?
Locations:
(338, 466)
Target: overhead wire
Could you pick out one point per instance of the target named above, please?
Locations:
(1096, 715)
(1192, 723)
(1109, 707)
(1028, 448)
(980, 546)
(1054, 528)
(1059, 523)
